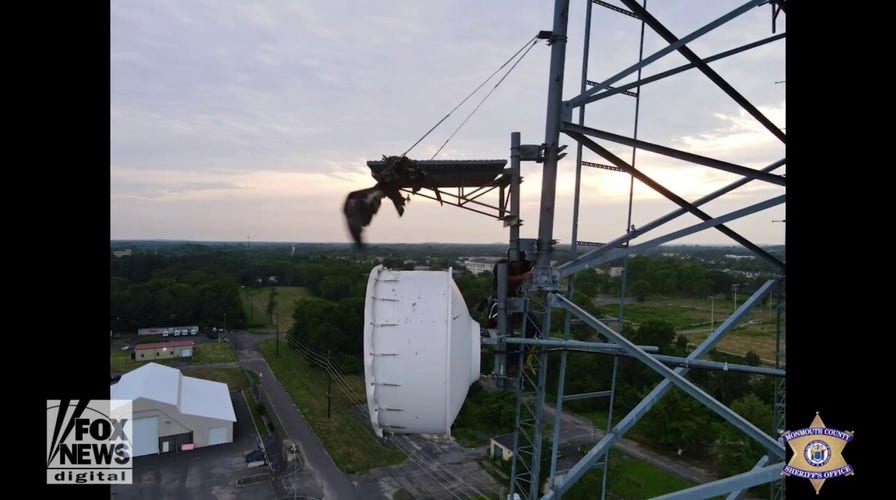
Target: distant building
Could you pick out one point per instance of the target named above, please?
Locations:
(613, 272)
(122, 253)
(501, 446)
(164, 350)
(479, 265)
(739, 257)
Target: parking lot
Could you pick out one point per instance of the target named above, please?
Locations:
(216, 472)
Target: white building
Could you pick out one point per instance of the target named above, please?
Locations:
(478, 265)
(173, 412)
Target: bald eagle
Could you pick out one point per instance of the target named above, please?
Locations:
(361, 205)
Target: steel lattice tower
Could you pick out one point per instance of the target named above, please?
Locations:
(526, 475)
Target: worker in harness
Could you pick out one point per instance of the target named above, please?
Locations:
(518, 271)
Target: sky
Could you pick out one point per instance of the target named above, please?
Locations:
(251, 121)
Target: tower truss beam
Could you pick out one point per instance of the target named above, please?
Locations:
(614, 253)
(572, 128)
(678, 200)
(587, 259)
(624, 89)
(705, 69)
(770, 444)
(588, 96)
(627, 422)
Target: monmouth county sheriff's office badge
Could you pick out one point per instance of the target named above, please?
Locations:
(817, 453)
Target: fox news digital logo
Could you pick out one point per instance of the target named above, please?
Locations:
(89, 441)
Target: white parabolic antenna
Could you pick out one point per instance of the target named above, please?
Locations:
(421, 351)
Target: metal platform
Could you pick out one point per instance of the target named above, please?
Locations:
(469, 181)
(458, 173)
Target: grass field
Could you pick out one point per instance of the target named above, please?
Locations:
(695, 319)
(633, 478)
(255, 302)
(234, 377)
(204, 353)
(120, 361)
(742, 342)
(628, 478)
(347, 438)
(213, 352)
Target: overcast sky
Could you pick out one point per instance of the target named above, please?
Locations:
(234, 120)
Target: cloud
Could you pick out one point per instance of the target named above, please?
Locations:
(225, 114)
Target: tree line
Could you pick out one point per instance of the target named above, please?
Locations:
(197, 287)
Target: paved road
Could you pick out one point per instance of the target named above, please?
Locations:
(332, 482)
(579, 430)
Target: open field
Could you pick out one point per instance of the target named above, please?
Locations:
(742, 342)
(120, 362)
(633, 478)
(695, 319)
(255, 302)
(234, 377)
(213, 352)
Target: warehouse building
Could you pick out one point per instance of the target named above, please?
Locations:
(173, 412)
(163, 350)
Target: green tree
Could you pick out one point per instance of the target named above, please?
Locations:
(587, 283)
(726, 386)
(640, 290)
(335, 287)
(737, 451)
(681, 345)
(476, 291)
(655, 332)
(679, 422)
(752, 359)
(321, 324)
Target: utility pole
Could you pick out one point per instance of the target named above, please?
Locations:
(329, 381)
(712, 313)
(277, 334)
(735, 287)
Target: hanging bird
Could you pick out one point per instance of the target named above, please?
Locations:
(359, 209)
(360, 206)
